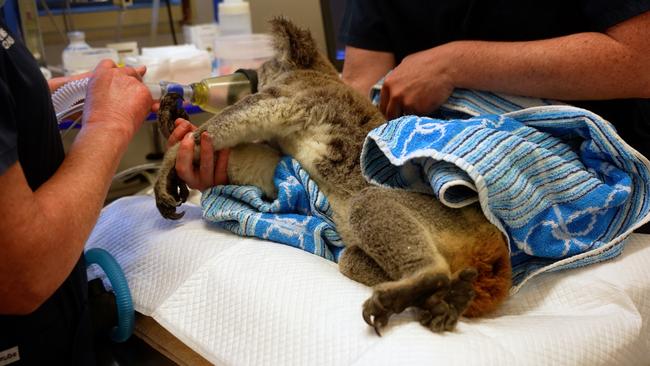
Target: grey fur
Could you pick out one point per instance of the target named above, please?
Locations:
(410, 248)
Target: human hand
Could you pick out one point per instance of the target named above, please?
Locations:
(212, 169)
(116, 99)
(418, 85)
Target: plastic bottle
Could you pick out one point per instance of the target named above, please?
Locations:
(247, 51)
(234, 17)
(70, 53)
(215, 93)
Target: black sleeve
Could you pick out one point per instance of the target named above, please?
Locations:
(363, 26)
(606, 13)
(8, 135)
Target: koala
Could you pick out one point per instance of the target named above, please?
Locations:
(412, 250)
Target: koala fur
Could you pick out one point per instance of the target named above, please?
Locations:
(412, 250)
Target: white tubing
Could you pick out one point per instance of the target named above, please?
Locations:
(61, 116)
(69, 94)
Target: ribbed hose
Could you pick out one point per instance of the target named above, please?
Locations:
(69, 94)
(66, 98)
(125, 312)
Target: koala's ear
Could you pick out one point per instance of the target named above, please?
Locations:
(293, 45)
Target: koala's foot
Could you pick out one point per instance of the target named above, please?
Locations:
(441, 310)
(170, 192)
(393, 297)
(441, 299)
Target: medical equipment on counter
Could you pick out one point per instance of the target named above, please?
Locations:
(215, 93)
(78, 57)
(201, 35)
(242, 51)
(77, 44)
(124, 50)
(234, 17)
(182, 63)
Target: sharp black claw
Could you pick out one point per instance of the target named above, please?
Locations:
(169, 212)
(367, 317)
(176, 215)
(376, 328)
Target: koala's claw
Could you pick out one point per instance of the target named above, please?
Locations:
(169, 211)
(375, 314)
(171, 195)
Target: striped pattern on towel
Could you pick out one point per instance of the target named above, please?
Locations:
(557, 180)
(299, 217)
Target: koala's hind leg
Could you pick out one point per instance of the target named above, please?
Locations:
(390, 229)
(359, 266)
(485, 249)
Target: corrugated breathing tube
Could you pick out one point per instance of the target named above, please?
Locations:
(125, 312)
(68, 95)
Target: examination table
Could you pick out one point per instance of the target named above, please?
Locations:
(205, 295)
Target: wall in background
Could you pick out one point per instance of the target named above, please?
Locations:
(305, 13)
(101, 28)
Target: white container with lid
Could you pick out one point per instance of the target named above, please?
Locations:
(234, 17)
(71, 63)
(246, 51)
(201, 35)
(182, 64)
(78, 57)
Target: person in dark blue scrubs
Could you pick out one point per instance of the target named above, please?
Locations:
(592, 53)
(49, 202)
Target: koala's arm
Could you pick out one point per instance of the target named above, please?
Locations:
(258, 117)
(254, 164)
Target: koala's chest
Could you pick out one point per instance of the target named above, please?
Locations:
(307, 145)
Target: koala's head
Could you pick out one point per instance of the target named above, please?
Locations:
(295, 49)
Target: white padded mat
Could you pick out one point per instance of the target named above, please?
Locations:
(239, 301)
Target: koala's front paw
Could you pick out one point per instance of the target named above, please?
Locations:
(171, 108)
(170, 192)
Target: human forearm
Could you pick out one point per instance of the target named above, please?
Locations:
(576, 67)
(47, 229)
(80, 185)
(581, 66)
(44, 231)
(363, 68)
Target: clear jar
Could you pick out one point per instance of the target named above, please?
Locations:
(234, 18)
(70, 56)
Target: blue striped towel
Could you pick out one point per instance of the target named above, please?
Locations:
(555, 179)
(300, 216)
